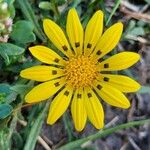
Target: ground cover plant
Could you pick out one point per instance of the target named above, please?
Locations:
(74, 74)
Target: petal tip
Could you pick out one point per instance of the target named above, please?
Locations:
(79, 129)
(127, 105)
(49, 121)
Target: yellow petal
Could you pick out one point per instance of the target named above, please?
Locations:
(78, 110)
(94, 109)
(111, 95)
(43, 91)
(41, 73)
(57, 36)
(122, 83)
(59, 105)
(93, 32)
(75, 31)
(46, 55)
(108, 41)
(119, 61)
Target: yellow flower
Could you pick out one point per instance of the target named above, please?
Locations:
(80, 77)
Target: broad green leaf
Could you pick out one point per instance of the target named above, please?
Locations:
(5, 110)
(23, 32)
(11, 49)
(8, 50)
(5, 88)
(137, 31)
(6, 94)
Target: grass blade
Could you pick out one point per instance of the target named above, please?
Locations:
(117, 3)
(35, 130)
(102, 133)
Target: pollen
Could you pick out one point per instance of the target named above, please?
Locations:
(80, 71)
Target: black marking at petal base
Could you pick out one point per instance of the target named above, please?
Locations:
(89, 95)
(99, 87)
(54, 72)
(56, 84)
(98, 52)
(89, 45)
(106, 65)
(77, 44)
(79, 95)
(66, 93)
(65, 48)
(56, 60)
(100, 60)
(106, 79)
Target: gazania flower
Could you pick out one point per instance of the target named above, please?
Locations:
(79, 76)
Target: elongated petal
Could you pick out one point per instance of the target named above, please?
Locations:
(122, 83)
(75, 31)
(43, 91)
(119, 61)
(111, 95)
(46, 55)
(57, 36)
(94, 109)
(59, 105)
(108, 41)
(41, 73)
(78, 110)
(93, 32)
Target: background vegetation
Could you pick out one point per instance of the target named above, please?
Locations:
(22, 126)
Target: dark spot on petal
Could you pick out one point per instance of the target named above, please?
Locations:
(56, 60)
(66, 93)
(54, 72)
(98, 52)
(57, 84)
(99, 87)
(79, 95)
(89, 45)
(106, 65)
(89, 95)
(77, 44)
(106, 79)
(65, 48)
(100, 60)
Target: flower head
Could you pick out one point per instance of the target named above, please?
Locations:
(80, 76)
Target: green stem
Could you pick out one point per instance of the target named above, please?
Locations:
(29, 14)
(55, 9)
(103, 133)
(117, 3)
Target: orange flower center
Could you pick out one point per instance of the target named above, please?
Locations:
(80, 71)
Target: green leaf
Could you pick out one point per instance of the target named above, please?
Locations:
(5, 110)
(30, 15)
(45, 5)
(8, 50)
(5, 88)
(35, 129)
(23, 32)
(144, 89)
(6, 94)
(148, 1)
(101, 134)
(137, 31)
